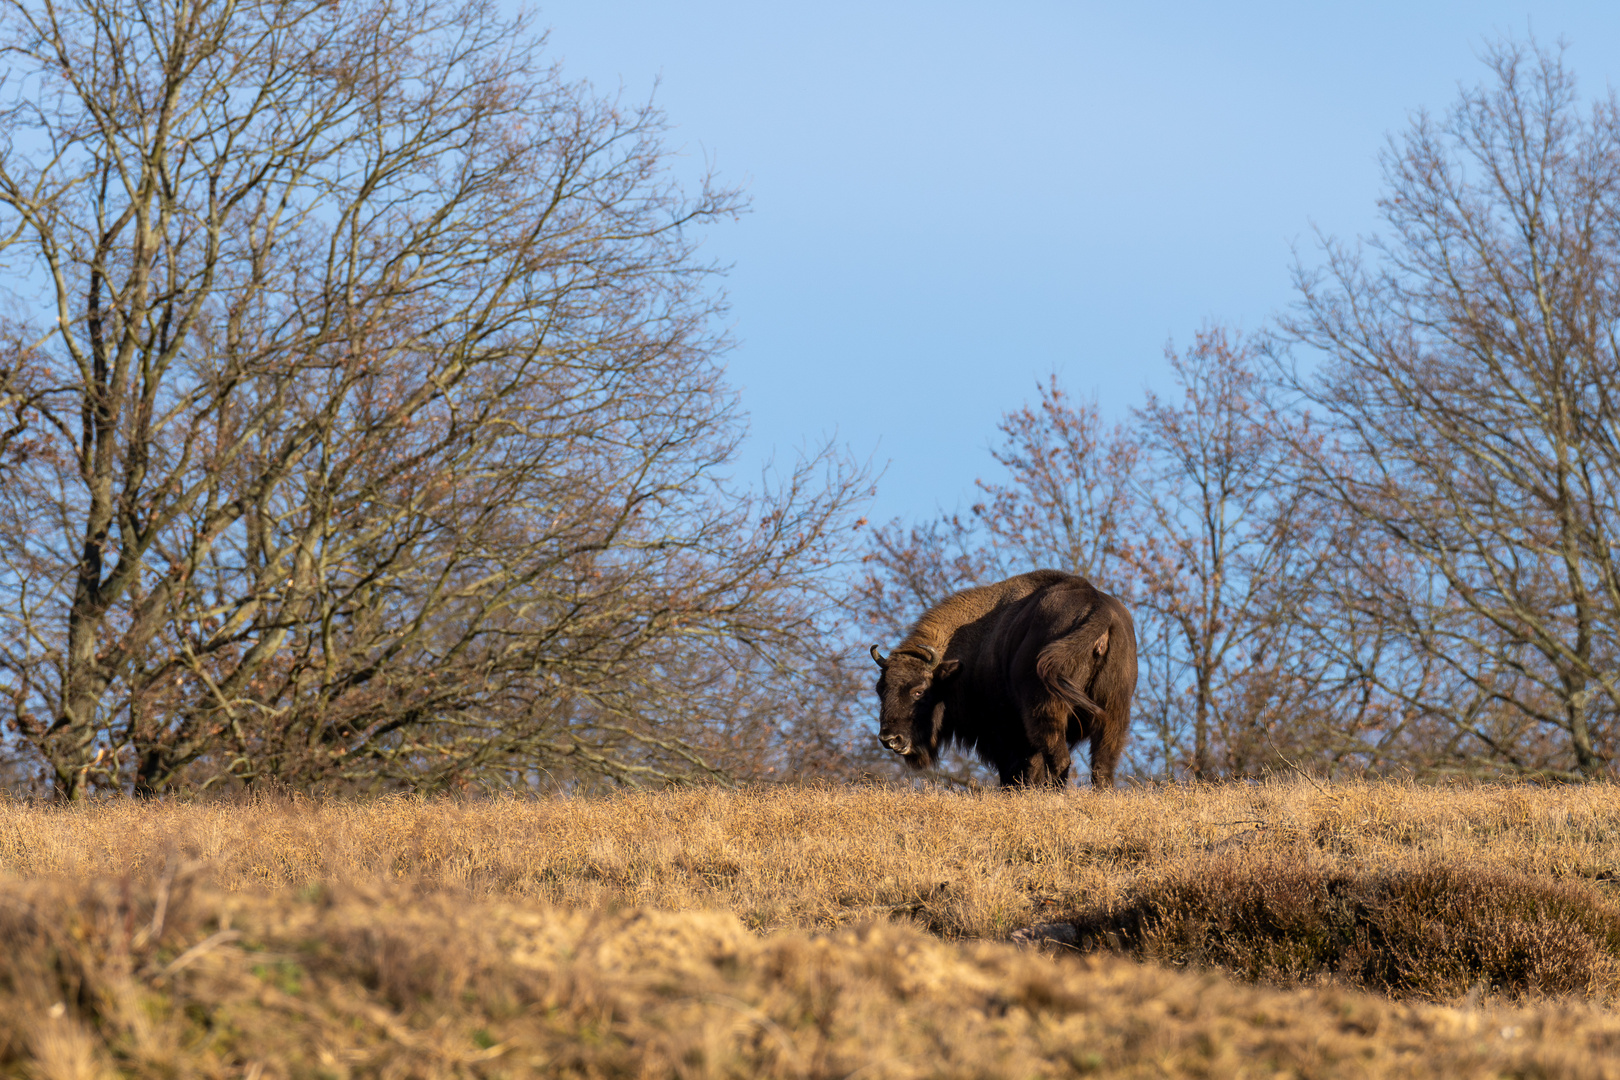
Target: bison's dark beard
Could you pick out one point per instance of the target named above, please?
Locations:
(925, 739)
(919, 758)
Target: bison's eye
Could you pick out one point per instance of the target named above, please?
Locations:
(917, 692)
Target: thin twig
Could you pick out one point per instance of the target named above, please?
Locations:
(197, 950)
(1292, 764)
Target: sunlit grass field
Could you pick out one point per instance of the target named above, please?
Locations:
(1245, 930)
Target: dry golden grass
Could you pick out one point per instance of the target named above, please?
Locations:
(961, 865)
(713, 933)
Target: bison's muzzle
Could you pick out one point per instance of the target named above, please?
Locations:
(897, 742)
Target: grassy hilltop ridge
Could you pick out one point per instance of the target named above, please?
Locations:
(816, 932)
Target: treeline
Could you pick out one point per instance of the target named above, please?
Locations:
(365, 420)
(1375, 536)
(364, 427)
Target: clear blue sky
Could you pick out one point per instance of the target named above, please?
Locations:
(951, 201)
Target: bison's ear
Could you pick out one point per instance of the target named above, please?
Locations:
(1101, 646)
(946, 669)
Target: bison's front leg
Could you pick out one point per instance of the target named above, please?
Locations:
(1027, 772)
(1058, 772)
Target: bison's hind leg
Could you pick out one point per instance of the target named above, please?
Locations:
(1107, 743)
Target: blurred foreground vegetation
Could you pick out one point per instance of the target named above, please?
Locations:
(1353, 929)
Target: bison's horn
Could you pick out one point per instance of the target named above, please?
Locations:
(929, 655)
(879, 660)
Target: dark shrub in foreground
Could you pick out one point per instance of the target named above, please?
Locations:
(1434, 933)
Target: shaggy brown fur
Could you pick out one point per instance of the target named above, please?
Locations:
(1019, 671)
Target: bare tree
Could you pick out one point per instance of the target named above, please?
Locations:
(1222, 554)
(1469, 375)
(1062, 501)
(378, 420)
(1065, 498)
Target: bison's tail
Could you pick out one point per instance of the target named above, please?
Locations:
(1068, 664)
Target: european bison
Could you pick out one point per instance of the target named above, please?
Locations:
(1018, 671)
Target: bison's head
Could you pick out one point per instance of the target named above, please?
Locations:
(910, 710)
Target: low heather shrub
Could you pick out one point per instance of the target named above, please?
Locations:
(1435, 932)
